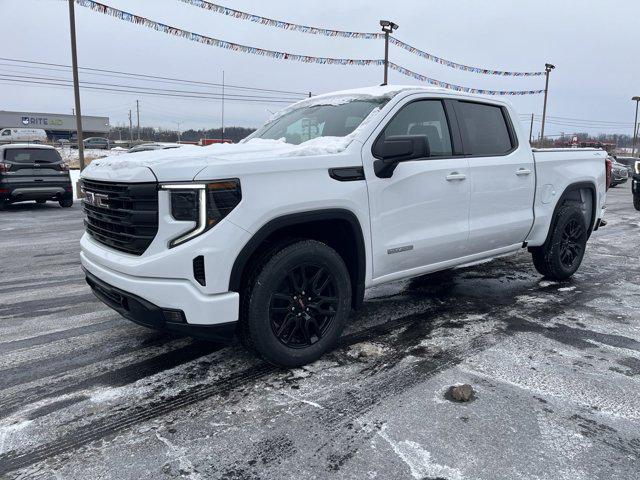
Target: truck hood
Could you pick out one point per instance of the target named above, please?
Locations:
(184, 163)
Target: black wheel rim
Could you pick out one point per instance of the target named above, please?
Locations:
(303, 306)
(571, 244)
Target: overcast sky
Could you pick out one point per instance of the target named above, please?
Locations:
(593, 43)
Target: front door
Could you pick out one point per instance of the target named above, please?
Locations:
(420, 215)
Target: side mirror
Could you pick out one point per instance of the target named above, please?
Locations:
(399, 148)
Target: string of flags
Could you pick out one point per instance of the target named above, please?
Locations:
(195, 37)
(236, 47)
(346, 34)
(458, 88)
(458, 66)
(279, 23)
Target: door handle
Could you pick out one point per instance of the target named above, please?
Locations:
(453, 176)
(523, 171)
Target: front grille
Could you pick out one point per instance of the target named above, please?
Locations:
(127, 220)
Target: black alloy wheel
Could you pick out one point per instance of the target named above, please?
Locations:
(571, 244)
(303, 306)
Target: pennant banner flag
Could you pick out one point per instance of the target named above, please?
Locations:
(195, 37)
(279, 23)
(213, 7)
(459, 66)
(458, 88)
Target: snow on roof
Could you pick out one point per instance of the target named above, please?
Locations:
(27, 145)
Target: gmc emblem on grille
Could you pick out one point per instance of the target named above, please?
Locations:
(96, 199)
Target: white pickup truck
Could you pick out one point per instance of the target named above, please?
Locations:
(277, 238)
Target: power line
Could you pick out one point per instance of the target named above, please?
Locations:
(153, 77)
(169, 90)
(137, 92)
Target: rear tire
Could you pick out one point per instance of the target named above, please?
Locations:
(561, 255)
(66, 202)
(296, 303)
(636, 202)
(3, 205)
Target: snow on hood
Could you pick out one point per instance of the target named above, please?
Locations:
(183, 164)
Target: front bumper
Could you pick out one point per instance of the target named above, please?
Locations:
(149, 315)
(198, 308)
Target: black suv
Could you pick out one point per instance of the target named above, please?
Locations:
(33, 172)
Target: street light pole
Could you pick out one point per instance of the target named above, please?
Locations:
(547, 70)
(635, 128)
(76, 82)
(387, 27)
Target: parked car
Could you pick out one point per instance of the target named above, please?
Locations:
(277, 237)
(635, 185)
(628, 162)
(146, 147)
(94, 142)
(33, 135)
(619, 173)
(33, 172)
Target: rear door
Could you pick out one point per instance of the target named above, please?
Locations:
(502, 177)
(419, 216)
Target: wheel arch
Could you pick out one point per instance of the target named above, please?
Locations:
(313, 224)
(574, 193)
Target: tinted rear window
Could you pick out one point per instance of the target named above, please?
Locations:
(31, 155)
(485, 128)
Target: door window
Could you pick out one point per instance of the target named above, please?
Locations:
(6, 133)
(424, 117)
(485, 129)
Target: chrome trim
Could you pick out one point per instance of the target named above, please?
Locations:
(201, 224)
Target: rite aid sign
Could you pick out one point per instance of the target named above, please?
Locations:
(52, 121)
(42, 121)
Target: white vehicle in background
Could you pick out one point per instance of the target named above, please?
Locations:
(277, 238)
(32, 135)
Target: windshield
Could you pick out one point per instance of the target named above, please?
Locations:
(320, 120)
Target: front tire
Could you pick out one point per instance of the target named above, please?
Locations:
(296, 304)
(636, 202)
(561, 255)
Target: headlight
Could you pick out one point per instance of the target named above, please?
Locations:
(638, 167)
(203, 203)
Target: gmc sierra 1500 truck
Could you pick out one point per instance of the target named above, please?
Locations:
(277, 238)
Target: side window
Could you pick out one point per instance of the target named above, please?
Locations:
(6, 133)
(485, 129)
(424, 117)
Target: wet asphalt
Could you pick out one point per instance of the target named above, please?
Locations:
(85, 394)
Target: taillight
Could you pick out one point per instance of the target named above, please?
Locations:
(609, 165)
(5, 167)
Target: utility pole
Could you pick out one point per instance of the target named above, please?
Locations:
(222, 135)
(635, 128)
(547, 70)
(178, 123)
(387, 27)
(531, 130)
(130, 127)
(138, 113)
(76, 82)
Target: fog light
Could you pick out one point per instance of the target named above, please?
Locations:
(173, 316)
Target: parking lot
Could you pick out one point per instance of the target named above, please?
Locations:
(555, 366)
